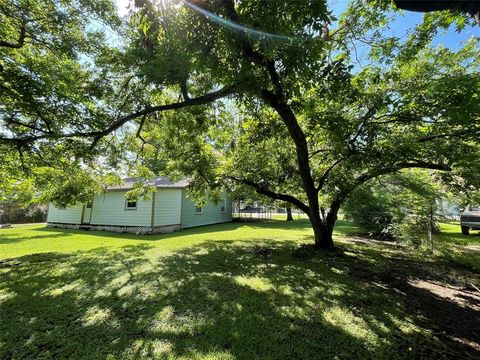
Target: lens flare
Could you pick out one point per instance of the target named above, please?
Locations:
(236, 27)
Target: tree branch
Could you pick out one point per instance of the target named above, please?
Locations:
(461, 133)
(396, 167)
(271, 194)
(97, 135)
(276, 100)
(343, 195)
(324, 177)
(368, 115)
(20, 41)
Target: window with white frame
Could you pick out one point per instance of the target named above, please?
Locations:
(131, 204)
(223, 206)
(198, 210)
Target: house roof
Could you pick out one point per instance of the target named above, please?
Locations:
(159, 182)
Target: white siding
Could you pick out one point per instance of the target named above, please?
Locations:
(109, 209)
(70, 215)
(168, 204)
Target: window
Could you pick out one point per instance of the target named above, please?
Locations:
(89, 205)
(131, 205)
(223, 206)
(198, 210)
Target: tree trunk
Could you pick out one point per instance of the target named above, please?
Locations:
(289, 214)
(322, 232)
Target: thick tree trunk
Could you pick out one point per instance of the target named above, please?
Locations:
(289, 214)
(323, 237)
(322, 231)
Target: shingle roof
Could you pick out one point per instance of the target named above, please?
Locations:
(159, 182)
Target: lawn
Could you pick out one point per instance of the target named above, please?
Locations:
(235, 291)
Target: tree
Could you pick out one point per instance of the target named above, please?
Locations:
(470, 7)
(298, 122)
(50, 82)
(289, 214)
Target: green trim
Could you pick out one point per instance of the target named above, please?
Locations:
(152, 223)
(181, 210)
(91, 212)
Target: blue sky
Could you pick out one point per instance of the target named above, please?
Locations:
(451, 39)
(409, 19)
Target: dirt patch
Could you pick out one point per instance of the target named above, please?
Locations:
(451, 311)
(461, 296)
(443, 299)
(474, 248)
(366, 241)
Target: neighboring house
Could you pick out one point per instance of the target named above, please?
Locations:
(166, 210)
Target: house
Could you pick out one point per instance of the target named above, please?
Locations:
(166, 210)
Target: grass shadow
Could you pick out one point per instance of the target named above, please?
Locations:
(216, 300)
(12, 238)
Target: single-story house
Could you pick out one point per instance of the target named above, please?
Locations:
(166, 210)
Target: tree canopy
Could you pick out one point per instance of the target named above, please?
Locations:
(256, 95)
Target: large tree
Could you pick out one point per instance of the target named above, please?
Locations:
(53, 80)
(302, 119)
(469, 7)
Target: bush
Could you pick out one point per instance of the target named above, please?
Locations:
(13, 213)
(401, 207)
(374, 216)
(414, 230)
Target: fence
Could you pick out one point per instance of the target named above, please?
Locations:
(242, 211)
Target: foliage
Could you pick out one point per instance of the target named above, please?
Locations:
(371, 211)
(13, 213)
(403, 206)
(268, 97)
(51, 81)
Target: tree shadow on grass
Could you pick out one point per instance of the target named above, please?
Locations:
(16, 238)
(218, 300)
(207, 229)
(342, 227)
(431, 290)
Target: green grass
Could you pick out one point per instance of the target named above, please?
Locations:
(231, 291)
(27, 240)
(459, 249)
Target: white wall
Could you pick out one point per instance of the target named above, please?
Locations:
(70, 215)
(211, 213)
(168, 204)
(109, 209)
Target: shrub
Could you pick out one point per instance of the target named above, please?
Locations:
(400, 207)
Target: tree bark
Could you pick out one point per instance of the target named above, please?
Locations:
(322, 231)
(289, 214)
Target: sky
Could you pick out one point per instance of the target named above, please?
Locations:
(122, 6)
(408, 20)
